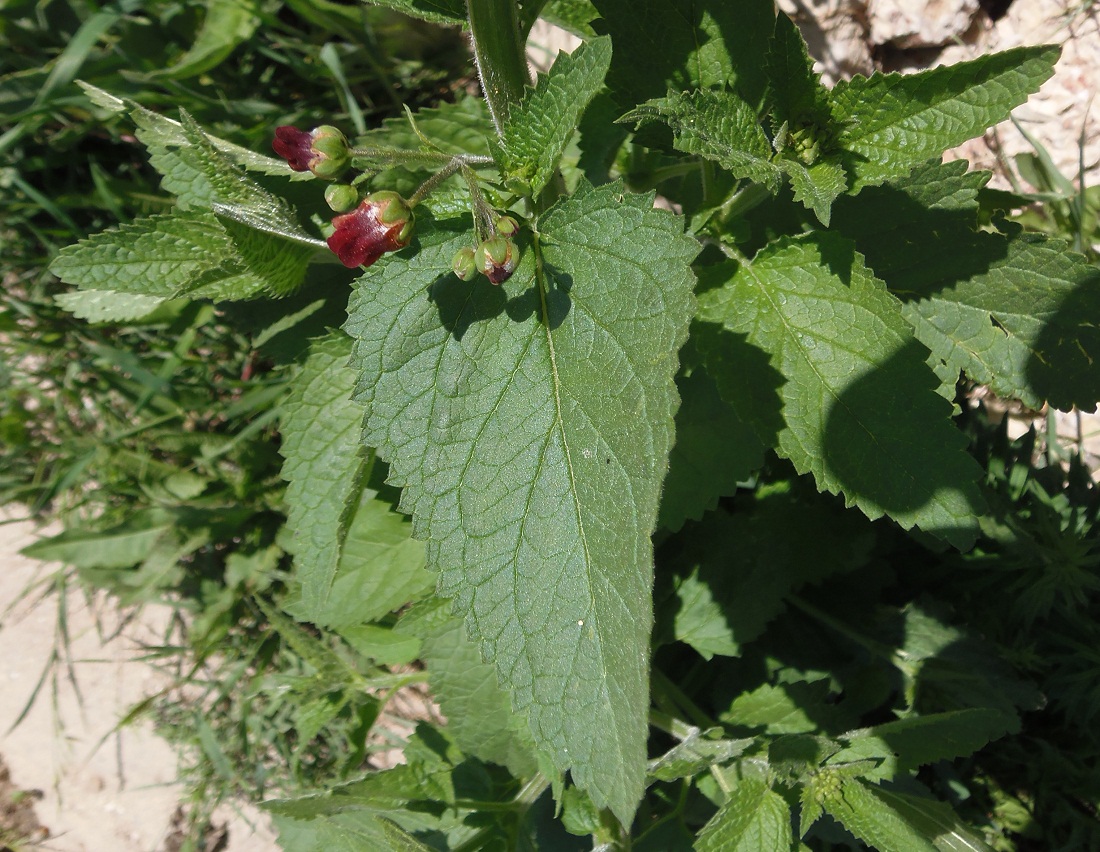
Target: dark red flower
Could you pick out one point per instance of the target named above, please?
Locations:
(323, 151)
(382, 222)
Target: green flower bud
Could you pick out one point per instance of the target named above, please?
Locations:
(341, 198)
(507, 226)
(463, 264)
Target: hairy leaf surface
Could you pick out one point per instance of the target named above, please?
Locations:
(529, 426)
(537, 133)
(753, 818)
(860, 408)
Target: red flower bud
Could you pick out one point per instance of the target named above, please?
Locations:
(496, 258)
(323, 151)
(382, 222)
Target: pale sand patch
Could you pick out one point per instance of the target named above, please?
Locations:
(102, 789)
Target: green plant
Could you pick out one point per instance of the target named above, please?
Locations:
(800, 327)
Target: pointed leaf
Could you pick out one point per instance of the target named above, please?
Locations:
(529, 426)
(892, 122)
(537, 133)
(795, 94)
(753, 818)
(159, 133)
(354, 556)
(716, 125)
(935, 820)
(860, 403)
(815, 186)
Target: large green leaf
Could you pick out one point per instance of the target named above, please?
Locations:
(1019, 312)
(529, 426)
(159, 133)
(860, 405)
(893, 122)
(537, 133)
(686, 45)
(753, 818)
(436, 11)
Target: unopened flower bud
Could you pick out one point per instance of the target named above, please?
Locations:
(323, 150)
(381, 223)
(496, 258)
(341, 197)
(463, 264)
(507, 226)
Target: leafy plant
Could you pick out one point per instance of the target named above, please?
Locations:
(584, 397)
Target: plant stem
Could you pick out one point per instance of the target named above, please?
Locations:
(501, 64)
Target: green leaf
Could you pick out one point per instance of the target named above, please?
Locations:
(516, 418)
(159, 133)
(870, 817)
(228, 23)
(107, 305)
(119, 546)
(436, 11)
(753, 818)
(860, 403)
(715, 449)
(893, 122)
(935, 820)
(699, 751)
(683, 45)
(480, 718)
(735, 570)
(716, 125)
(237, 196)
(537, 133)
(355, 560)
(910, 743)
(381, 644)
(1019, 312)
(815, 186)
(573, 15)
(184, 254)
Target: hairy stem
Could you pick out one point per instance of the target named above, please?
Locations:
(498, 51)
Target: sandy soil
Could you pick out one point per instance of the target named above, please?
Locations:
(100, 788)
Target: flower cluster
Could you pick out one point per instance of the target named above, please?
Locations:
(383, 221)
(496, 257)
